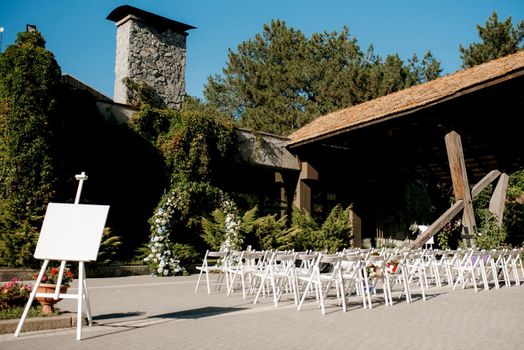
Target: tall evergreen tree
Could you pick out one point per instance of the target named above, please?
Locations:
(29, 77)
(281, 79)
(498, 39)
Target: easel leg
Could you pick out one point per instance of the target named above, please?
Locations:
(31, 298)
(86, 299)
(80, 300)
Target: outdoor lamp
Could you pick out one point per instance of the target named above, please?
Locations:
(1, 31)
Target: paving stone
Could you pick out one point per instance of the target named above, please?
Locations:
(141, 312)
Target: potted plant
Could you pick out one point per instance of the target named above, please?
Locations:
(48, 285)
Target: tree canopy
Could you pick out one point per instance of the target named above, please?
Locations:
(29, 78)
(281, 79)
(498, 39)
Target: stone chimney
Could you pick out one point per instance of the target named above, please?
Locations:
(150, 49)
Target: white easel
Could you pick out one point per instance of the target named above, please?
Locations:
(70, 232)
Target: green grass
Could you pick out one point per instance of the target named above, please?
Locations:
(16, 312)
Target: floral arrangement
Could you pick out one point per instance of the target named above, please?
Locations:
(160, 258)
(232, 239)
(392, 266)
(51, 276)
(14, 294)
(373, 270)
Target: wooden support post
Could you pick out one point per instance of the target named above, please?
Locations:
(287, 182)
(302, 198)
(356, 223)
(485, 182)
(438, 224)
(459, 178)
(279, 180)
(498, 199)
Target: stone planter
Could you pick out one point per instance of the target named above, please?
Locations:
(49, 303)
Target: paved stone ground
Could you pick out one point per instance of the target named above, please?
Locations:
(157, 313)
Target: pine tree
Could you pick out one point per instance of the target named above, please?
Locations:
(498, 40)
(280, 80)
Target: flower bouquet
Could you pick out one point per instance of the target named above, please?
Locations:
(392, 266)
(374, 271)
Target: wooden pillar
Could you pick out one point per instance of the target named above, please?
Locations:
(287, 183)
(459, 178)
(302, 198)
(498, 199)
(356, 223)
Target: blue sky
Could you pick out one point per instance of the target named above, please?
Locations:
(83, 41)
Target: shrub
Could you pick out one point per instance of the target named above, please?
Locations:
(489, 234)
(187, 254)
(17, 248)
(270, 233)
(108, 247)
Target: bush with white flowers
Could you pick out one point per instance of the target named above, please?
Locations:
(232, 239)
(161, 259)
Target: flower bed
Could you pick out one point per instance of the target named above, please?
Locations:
(14, 294)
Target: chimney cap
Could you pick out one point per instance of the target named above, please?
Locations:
(158, 22)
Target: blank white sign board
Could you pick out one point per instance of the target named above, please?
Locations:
(71, 232)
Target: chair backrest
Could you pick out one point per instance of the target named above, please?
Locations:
(213, 254)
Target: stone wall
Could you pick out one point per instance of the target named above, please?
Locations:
(157, 58)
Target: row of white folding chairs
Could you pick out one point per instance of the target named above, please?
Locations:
(231, 268)
(487, 267)
(456, 267)
(273, 274)
(471, 266)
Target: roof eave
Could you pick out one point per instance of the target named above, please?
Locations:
(508, 76)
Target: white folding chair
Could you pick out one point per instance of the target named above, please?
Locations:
(218, 266)
(415, 274)
(375, 276)
(354, 281)
(306, 262)
(431, 268)
(235, 268)
(249, 263)
(514, 263)
(444, 263)
(468, 269)
(324, 281)
(279, 273)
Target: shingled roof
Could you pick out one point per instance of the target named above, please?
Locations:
(408, 100)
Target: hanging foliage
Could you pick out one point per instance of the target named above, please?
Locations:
(195, 143)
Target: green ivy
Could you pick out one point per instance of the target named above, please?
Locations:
(195, 143)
